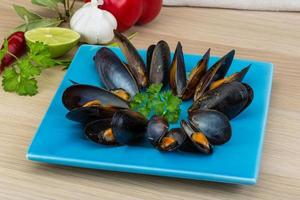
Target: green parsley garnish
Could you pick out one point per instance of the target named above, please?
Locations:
(20, 77)
(155, 102)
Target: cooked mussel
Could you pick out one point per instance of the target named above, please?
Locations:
(91, 111)
(100, 131)
(196, 141)
(76, 96)
(215, 73)
(113, 73)
(238, 76)
(156, 129)
(196, 74)
(150, 51)
(128, 126)
(135, 62)
(172, 140)
(123, 94)
(160, 61)
(161, 137)
(213, 124)
(177, 74)
(229, 98)
(179, 84)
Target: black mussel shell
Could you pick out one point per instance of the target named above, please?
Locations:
(100, 131)
(214, 124)
(177, 76)
(135, 62)
(172, 140)
(77, 95)
(160, 61)
(238, 76)
(190, 145)
(216, 72)
(196, 74)
(157, 127)
(113, 73)
(150, 51)
(226, 62)
(90, 113)
(128, 126)
(229, 98)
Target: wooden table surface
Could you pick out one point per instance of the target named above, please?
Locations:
(267, 36)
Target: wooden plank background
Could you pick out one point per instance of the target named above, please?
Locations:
(267, 36)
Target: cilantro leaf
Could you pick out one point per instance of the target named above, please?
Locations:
(10, 81)
(21, 77)
(27, 69)
(27, 86)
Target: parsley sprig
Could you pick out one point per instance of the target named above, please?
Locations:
(155, 102)
(21, 76)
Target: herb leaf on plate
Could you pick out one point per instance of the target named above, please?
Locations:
(155, 102)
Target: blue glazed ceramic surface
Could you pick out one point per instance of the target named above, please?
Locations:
(60, 141)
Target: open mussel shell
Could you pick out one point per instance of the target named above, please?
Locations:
(195, 141)
(135, 62)
(123, 94)
(113, 73)
(161, 137)
(238, 76)
(172, 140)
(229, 98)
(150, 51)
(100, 131)
(214, 124)
(225, 62)
(160, 61)
(77, 95)
(128, 126)
(216, 72)
(157, 127)
(196, 74)
(86, 114)
(177, 74)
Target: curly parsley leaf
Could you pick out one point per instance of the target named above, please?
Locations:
(154, 102)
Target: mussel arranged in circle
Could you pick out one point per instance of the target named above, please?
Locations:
(124, 127)
(230, 99)
(113, 72)
(196, 141)
(213, 124)
(161, 137)
(105, 112)
(158, 63)
(78, 95)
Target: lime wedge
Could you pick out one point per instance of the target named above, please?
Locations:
(59, 40)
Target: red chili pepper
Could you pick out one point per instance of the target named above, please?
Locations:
(16, 46)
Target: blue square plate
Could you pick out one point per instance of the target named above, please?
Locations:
(60, 141)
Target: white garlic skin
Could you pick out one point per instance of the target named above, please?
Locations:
(95, 26)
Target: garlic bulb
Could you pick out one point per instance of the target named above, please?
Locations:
(93, 24)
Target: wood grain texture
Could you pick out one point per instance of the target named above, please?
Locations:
(268, 36)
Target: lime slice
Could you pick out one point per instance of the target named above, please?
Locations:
(59, 40)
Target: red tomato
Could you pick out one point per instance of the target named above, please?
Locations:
(151, 9)
(126, 12)
(130, 12)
